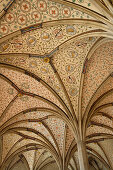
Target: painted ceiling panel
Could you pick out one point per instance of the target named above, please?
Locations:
(4, 4)
(44, 40)
(40, 68)
(37, 155)
(76, 159)
(31, 134)
(25, 102)
(25, 116)
(104, 87)
(36, 126)
(86, 3)
(7, 94)
(98, 69)
(108, 110)
(96, 147)
(103, 120)
(22, 14)
(62, 51)
(8, 141)
(69, 139)
(43, 157)
(31, 155)
(57, 127)
(108, 149)
(28, 84)
(71, 73)
(106, 100)
(96, 129)
(21, 146)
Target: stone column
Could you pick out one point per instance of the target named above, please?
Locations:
(82, 156)
(0, 149)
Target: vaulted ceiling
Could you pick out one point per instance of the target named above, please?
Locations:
(56, 83)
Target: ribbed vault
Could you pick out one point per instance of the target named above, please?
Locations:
(56, 84)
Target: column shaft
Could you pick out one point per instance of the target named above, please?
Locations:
(82, 156)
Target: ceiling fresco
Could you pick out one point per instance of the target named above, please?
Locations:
(56, 84)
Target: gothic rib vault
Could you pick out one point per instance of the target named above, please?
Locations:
(56, 84)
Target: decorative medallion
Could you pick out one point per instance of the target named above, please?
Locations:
(72, 54)
(36, 15)
(81, 44)
(73, 91)
(22, 19)
(42, 6)
(90, 39)
(10, 18)
(31, 41)
(70, 30)
(17, 43)
(53, 11)
(70, 68)
(66, 12)
(71, 79)
(25, 6)
(4, 29)
(45, 36)
(57, 88)
(58, 33)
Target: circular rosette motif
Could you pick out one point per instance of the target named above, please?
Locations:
(9, 18)
(66, 12)
(53, 11)
(73, 91)
(58, 33)
(70, 30)
(42, 6)
(31, 41)
(36, 15)
(22, 19)
(4, 29)
(25, 6)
